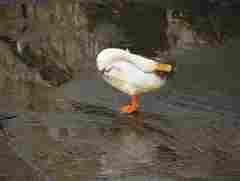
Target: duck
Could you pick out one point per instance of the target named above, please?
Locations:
(132, 74)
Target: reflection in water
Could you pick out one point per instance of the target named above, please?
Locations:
(129, 150)
(109, 145)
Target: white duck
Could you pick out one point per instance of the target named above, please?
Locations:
(132, 74)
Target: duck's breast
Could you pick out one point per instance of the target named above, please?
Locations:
(130, 79)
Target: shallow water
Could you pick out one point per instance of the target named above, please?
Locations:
(187, 130)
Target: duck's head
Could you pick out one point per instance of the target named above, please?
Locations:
(166, 68)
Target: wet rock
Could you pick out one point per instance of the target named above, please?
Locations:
(180, 33)
(22, 87)
(187, 31)
(47, 37)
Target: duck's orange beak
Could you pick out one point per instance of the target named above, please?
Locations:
(164, 67)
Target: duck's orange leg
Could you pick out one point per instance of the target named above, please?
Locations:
(133, 106)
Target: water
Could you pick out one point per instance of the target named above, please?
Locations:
(189, 130)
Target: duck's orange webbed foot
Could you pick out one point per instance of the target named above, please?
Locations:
(129, 109)
(133, 107)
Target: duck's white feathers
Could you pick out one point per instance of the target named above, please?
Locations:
(131, 80)
(130, 73)
(111, 55)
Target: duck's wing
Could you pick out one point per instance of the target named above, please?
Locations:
(110, 56)
(149, 65)
(142, 63)
(128, 78)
